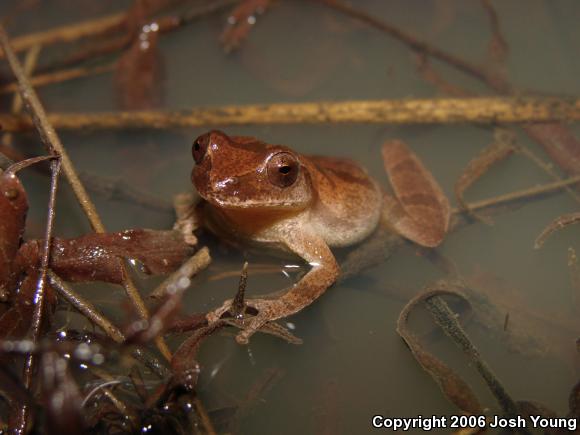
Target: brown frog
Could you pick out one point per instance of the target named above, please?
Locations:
(257, 192)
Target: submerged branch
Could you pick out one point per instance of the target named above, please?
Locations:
(485, 110)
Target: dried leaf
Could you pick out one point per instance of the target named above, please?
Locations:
(420, 211)
(240, 21)
(97, 257)
(501, 148)
(557, 224)
(139, 72)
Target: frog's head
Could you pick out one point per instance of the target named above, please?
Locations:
(242, 172)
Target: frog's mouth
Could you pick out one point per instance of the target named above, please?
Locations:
(233, 202)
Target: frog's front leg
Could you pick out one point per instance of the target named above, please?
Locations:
(420, 210)
(323, 274)
(189, 218)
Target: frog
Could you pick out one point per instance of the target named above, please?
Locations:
(259, 193)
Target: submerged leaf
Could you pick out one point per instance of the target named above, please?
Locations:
(139, 72)
(452, 386)
(557, 224)
(240, 21)
(420, 211)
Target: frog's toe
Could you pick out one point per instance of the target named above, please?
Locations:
(250, 329)
(215, 315)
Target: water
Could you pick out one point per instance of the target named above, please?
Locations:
(352, 364)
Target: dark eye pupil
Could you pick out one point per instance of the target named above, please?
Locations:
(196, 146)
(284, 169)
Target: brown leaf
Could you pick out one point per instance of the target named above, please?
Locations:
(240, 21)
(420, 211)
(13, 208)
(139, 72)
(98, 257)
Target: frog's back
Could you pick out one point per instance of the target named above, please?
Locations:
(348, 203)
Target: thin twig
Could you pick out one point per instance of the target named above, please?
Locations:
(47, 133)
(117, 43)
(483, 110)
(38, 314)
(204, 416)
(60, 76)
(16, 107)
(521, 195)
(69, 33)
(85, 308)
(416, 44)
(546, 167)
(178, 280)
(97, 318)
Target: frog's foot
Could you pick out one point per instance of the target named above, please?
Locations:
(257, 314)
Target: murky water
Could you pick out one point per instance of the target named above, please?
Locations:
(352, 365)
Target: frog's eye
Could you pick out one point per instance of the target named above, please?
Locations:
(283, 169)
(199, 148)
